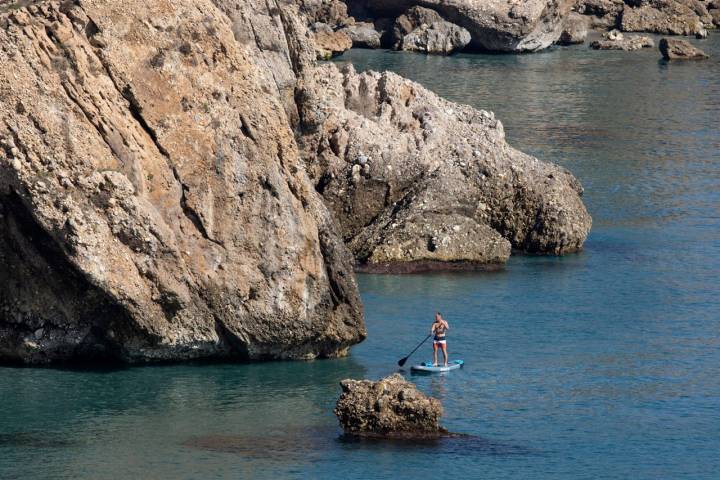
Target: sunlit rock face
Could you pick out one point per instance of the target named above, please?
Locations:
(153, 203)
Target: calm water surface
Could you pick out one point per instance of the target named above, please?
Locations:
(604, 364)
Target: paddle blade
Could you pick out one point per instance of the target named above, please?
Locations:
(402, 361)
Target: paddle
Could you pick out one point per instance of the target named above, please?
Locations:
(402, 361)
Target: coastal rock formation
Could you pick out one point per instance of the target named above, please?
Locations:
(155, 204)
(602, 13)
(676, 49)
(391, 407)
(363, 35)
(329, 43)
(615, 40)
(496, 25)
(667, 17)
(414, 180)
(423, 30)
(575, 29)
(152, 200)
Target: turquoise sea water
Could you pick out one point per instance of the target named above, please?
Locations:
(601, 365)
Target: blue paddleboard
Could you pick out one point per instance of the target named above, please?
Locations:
(428, 367)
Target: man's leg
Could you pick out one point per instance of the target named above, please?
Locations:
(445, 355)
(435, 348)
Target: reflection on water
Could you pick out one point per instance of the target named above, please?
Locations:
(598, 365)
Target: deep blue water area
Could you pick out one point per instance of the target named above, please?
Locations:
(600, 365)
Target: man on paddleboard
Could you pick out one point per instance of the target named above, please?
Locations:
(438, 329)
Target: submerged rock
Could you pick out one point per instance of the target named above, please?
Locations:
(153, 205)
(501, 25)
(391, 407)
(676, 49)
(440, 182)
(423, 30)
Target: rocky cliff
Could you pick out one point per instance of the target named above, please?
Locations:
(152, 200)
(166, 169)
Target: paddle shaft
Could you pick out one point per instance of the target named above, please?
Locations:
(402, 361)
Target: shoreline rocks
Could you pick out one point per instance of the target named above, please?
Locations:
(151, 212)
(575, 30)
(676, 49)
(413, 179)
(389, 408)
(423, 30)
(500, 26)
(615, 40)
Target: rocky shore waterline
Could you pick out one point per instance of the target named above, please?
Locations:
(438, 27)
(185, 181)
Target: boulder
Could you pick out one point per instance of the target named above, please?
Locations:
(329, 43)
(575, 29)
(667, 17)
(415, 181)
(423, 30)
(676, 49)
(391, 408)
(715, 15)
(615, 40)
(331, 12)
(149, 211)
(497, 25)
(363, 35)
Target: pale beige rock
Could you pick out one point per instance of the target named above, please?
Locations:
(433, 165)
(497, 25)
(149, 210)
(391, 407)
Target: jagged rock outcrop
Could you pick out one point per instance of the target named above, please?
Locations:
(414, 180)
(390, 408)
(363, 35)
(676, 49)
(615, 40)
(669, 17)
(152, 200)
(423, 30)
(330, 43)
(602, 13)
(575, 29)
(495, 25)
(154, 204)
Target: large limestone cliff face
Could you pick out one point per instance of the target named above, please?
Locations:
(152, 201)
(155, 205)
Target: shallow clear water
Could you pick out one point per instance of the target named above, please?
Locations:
(598, 365)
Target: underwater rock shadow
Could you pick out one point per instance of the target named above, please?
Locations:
(452, 443)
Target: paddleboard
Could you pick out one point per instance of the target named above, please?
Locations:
(428, 367)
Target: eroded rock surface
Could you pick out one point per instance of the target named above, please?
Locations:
(415, 179)
(496, 25)
(676, 49)
(665, 17)
(149, 210)
(575, 29)
(423, 30)
(615, 40)
(391, 407)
